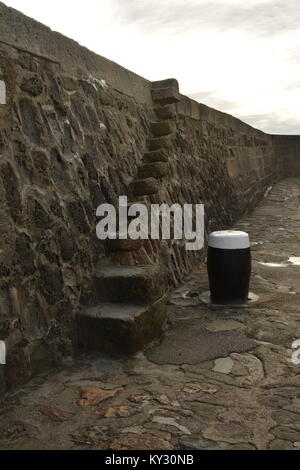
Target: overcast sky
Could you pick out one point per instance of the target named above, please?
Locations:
(239, 56)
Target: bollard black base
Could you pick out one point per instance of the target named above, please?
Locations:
(206, 298)
(229, 267)
(229, 274)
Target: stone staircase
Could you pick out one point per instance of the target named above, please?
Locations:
(127, 308)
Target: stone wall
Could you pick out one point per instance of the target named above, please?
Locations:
(73, 134)
(67, 144)
(287, 150)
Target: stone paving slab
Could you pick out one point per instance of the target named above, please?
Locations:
(242, 400)
(193, 343)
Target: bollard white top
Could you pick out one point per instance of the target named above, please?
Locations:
(229, 240)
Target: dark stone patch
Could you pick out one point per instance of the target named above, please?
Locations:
(58, 166)
(3, 143)
(56, 208)
(25, 167)
(41, 358)
(94, 120)
(197, 443)
(38, 216)
(17, 369)
(28, 63)
(25, 254)
(51, 284)
(89, 89)
(79, 111)
(97, 196)
(63, 312)
(68, 140)
(30, 120)
(78, 215)
(4, 328)
(56, 94)
(66, 243)
(18, 430)
(33, 85)
(41, 164)
(286, 417)
(192, 344)
(11, 186)
(48, 248)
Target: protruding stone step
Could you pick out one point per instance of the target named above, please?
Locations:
(162, 128)
(167, 82)
(160, 143)
(155, 170)
(144, 187)
(165, 112)
(120, 329)
(165, 91)
(129, 284)
(123, 258)
(160, 155)
(125, 245)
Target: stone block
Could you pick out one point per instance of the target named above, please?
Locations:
(144, 187)
(160, 155)
(167, 95)
(155, 170)
(168, 82)
(165, 112)
(162, 128)
(233, 168)
(160, 143)
(120, 329)
(32, 85)
(125, 245)
(129, 284)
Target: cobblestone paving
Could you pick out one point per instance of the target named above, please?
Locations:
(243, 401)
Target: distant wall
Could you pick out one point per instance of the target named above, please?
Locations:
(72, 134)
(287, 150)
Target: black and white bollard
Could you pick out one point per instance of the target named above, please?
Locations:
(229, 267)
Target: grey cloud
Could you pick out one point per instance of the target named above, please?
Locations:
(273, 123)
(214, 100)
(268, 17)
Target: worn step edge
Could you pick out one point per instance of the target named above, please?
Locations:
(159, 155)
(153, 170)
(158, 143)
(129, 284)
(120, 329)
(144, 187)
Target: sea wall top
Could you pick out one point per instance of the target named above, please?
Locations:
(24, 33)
(29, 35)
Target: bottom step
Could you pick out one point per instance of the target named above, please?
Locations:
(120, 329)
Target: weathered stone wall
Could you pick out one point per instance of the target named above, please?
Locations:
(224, 163)
(287, 150)
(67, 144)
(72, 135)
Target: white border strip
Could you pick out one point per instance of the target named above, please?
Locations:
(2, 92)
(2, 353)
